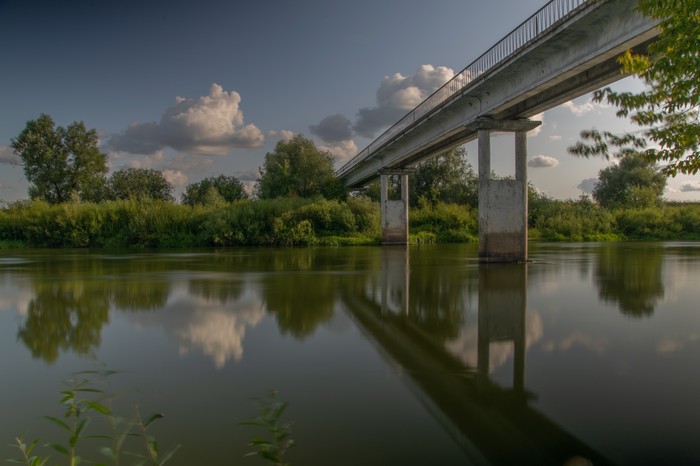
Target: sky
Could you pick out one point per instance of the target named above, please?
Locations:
(199, 89)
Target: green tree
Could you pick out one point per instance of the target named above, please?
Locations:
(297, 168)
(139, 183)
(667, 110)
(229, 188)
(634, 182)
(447, 177)
(61, 163)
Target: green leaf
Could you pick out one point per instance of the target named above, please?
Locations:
(154, 417)
(99, 407)
(58, 422)
(58, 447)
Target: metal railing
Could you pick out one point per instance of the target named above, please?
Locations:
(533, 28)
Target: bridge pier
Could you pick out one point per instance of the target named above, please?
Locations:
(394, 213)
(503, 203)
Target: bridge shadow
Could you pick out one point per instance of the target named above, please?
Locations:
(493, 424)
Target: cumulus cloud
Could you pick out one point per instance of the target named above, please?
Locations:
(333, 129)
(212, 124)
(175, 177)
(692, 186)
(578, 110)
(399, 94)
(542, 161)
(342, 150)
(588, 185)
(7, 155)
(536, 131)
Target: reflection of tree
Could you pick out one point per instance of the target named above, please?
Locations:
(631, 277)
(303, 298)
(221, 290)
(439, 297)
(133, 293)
(73, 292)
(64, 316)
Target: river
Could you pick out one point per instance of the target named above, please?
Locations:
(386, 356)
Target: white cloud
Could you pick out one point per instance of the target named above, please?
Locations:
(212, 124)
(175, 177)
(7, 155)
(399, 94)
(587, 185)
(342, 150)
(536, 131)
(692, 186)
(578, 110)
(542, 161)
(554, 137)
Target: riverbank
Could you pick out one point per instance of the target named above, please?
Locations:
(315, 222)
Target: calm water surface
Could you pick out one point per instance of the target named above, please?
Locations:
(387, 356)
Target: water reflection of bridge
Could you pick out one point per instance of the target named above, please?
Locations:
(493, 424)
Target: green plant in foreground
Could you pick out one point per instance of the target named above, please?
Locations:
(83, 399)
(270, 419)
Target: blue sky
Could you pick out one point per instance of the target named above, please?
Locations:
(198, 89)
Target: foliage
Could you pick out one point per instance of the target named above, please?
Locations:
(446, 223)
(61, 163)
(579, 220)
(139, 183)
(297, 168)
(667, 110)
(205, 192)
(270, 419)
(634, 182)
(84, 400)
(447, 178)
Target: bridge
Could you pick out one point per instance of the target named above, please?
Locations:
(564, 50)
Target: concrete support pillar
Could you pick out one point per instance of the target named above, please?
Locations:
(503, 203)
(394, 214)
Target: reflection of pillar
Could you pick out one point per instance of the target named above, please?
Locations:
(395, 274)
(502, 304)
(503, 203)
(394, 216)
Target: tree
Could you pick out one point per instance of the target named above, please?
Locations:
(447, 177)
(297, 168)
(635, 181)
(61, 163)
(667, 110)
(139, 183)
(228, 188)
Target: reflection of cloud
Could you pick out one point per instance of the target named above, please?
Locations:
(577, 338)
(15, 300)
(199, 324)
(466, 345)
(668, 345)
(218, 334)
